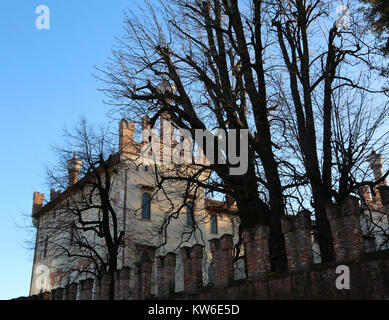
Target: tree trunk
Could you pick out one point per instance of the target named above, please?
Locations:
(323, 229)
(253, 211)
(112, 286)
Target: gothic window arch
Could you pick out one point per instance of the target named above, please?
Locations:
(214, 227)
(189, 214)
(46, 243)
(72, 233)
(146, 199)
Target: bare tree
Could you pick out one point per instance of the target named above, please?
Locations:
(318, 75)
(275, 68)
(206, 57)
(80, 228)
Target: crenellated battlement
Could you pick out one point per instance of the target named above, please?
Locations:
(256, 244)
(222, 260)
(348, 249)
(346, 229)
(298, 243)
(154, 275)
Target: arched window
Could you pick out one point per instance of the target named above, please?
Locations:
(146, 206)
(213, 224)
(189, 214)
(45, 247)
(72, 231)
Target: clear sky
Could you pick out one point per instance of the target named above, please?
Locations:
(46, 83)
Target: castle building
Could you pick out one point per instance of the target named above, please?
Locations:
(141, 209)
(375, 207)
(181, 258)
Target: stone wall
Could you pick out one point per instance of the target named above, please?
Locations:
(369, 273)
(369, 279)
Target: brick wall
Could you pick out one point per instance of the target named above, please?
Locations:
(369, 279)
(222, 260)
(298, 243)
(256, 244)
(369, 273)
(192, 260)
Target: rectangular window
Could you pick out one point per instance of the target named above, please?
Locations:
(189, 214)
(45, 247)
(213, 224)
(232, 225)
(146, 198)
(72, 234)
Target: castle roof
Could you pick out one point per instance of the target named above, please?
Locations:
(73, 189)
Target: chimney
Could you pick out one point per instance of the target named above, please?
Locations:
(166, 127)
(37, 201)
(54, 194)
(384, 193)
(365, 193)
(74, 166)
(126, 134)
(375, 161)
(166, 87)
(145, 126)
(166, 137)
(229, 200)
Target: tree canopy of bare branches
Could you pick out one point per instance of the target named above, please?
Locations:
(83, 232)
(304, 84)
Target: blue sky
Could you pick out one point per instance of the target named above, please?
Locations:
(46, 83)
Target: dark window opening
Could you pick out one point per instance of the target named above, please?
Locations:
(213, 224)
(45, 247)
(232, 225)
(72, 230)
(189, 214)
(146, 206)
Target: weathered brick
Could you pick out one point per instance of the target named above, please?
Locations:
(73, 289)
(123, 284)
(86, 287)
(166, 274)
(143, 274)
(346, 229)
(256, 244)
(222, 260)
(298, 243)
(37, 201)
(192, 258)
